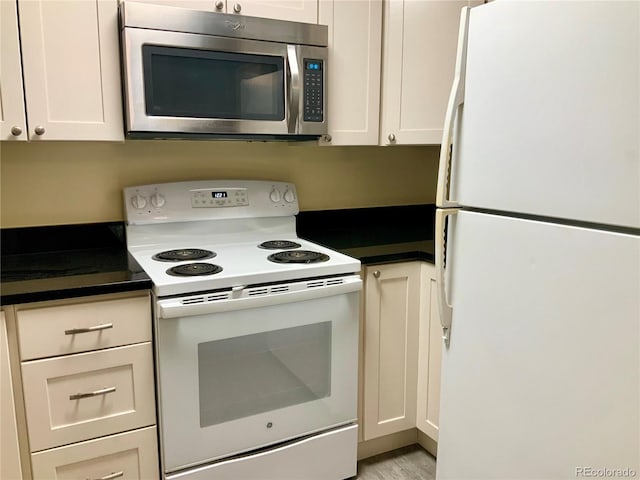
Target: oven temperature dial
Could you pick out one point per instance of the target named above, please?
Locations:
(289, 196)
(138, 201)
(275, 195)
(157, 200)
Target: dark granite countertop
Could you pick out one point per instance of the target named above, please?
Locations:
(373, 235)
(49, 263)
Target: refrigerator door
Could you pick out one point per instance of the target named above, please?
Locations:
(541, 378)
(550, 121)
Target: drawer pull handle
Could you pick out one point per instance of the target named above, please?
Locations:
(96, 328)
(110, 476)
(104, 391)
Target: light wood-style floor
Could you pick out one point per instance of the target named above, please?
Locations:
(407, 463)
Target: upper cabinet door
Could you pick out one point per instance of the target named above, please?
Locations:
(207, 5)
(71, 69)
(419, 51)
(13, 124)
(355, 43)
(295, 10)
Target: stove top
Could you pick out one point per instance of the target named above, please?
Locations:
(198, 236)
(241, 264)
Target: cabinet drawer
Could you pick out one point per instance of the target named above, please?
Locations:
(126, 456)
(80, 327)
(88, 395)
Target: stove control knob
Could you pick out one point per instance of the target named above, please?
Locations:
(275, 195)
(289, 196)
(157, 200)
(138, 201)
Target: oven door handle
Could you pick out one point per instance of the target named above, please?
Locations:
(228, 301)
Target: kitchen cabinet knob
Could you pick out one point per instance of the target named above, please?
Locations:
(376, 274)
(16, 131)
(327, 138)
(392, 137)
(237, 8)
(39, 130)
(219, 5)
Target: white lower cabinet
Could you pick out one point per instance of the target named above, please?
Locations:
(401, 350)
(392, 307)
(10, 467)
(130, 456)
(71, 398)
(89, 396)
(429, 355)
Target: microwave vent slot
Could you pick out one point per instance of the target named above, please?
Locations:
(335, 281)
(315, 284)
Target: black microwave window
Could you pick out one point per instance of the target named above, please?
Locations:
(182, 82)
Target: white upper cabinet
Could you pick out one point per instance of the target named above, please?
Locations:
(353, 94)
(294, 10)
(418, 60)
(71, 69)
(13, 123)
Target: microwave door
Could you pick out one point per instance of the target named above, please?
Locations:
(179, 84)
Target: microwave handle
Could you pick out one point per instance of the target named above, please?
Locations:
(293, 86)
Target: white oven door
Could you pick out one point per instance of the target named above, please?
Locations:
(244, 369)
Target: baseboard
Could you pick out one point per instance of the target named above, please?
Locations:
(387, 443)
(428, 443)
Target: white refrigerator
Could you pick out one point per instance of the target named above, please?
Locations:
(538, 244)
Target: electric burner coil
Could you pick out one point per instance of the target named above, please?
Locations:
(183, 254)
(279, 245)
(194, 269)
(298, 256)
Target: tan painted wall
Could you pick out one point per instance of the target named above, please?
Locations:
(59, 183)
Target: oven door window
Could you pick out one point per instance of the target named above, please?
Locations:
(262, 372)
(181, 82)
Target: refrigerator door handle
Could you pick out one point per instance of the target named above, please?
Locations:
(444, 307)
(456, 98)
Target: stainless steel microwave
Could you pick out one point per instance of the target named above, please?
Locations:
(199, 74)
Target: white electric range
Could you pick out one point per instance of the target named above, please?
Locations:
(256, 332)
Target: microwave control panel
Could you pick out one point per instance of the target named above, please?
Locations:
(313, 78)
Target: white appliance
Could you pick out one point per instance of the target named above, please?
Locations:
(256, 333)
(539, 272)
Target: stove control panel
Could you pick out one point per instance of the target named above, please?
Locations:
(209, 200)
(228, 197)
